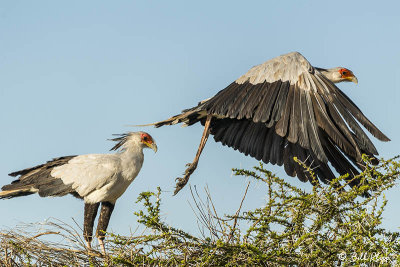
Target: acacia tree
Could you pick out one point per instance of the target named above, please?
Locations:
(330, 225)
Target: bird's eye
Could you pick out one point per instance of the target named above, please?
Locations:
(145, 138)
(344, 72)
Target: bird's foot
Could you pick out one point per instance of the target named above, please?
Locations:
(101, 243)
(88, 245)
(92, 252)
(190, 169)
(181, 182)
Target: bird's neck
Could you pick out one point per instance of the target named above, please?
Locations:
(331, 74)
(131, 162)
(326, 73)
(131, 152)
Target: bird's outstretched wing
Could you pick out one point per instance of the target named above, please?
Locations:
(286, 108)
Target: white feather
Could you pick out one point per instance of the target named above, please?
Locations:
(102, 177)
(286, 67)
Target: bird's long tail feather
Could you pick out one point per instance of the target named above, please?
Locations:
(188, 117)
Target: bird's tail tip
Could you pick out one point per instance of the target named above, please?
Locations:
(185, 117)
(141, 125)
(170, 121)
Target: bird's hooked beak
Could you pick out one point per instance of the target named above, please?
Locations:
(353, 79)
(152, 146)
(348, 75)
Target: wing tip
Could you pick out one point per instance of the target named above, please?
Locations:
(17, 192)
(384, 138)
(14, 174)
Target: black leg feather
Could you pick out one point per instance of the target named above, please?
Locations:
(89, 217)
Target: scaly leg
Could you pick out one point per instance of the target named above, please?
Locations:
(192, 166)
(105, 214)
(89, 216)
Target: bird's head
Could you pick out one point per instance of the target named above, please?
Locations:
(148, 141)
(339, 74)
(134, 140)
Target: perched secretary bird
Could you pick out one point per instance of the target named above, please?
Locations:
(286, 108)
(95, 178)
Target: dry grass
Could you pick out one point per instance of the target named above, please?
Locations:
(52, 243)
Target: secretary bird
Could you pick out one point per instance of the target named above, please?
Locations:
(286, 108)
(95, 178)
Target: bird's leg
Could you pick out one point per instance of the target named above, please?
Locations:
(89, 216)
(104, 218)
(192, 166)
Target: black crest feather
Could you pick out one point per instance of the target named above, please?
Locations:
(121, 139)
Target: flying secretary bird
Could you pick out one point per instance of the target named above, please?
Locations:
(95, 178)
(286, 108)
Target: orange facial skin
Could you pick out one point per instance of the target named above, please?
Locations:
(146, 138)
(346, 73)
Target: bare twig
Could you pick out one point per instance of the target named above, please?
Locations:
(237, 214)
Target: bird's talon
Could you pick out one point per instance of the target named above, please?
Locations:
(179, 180)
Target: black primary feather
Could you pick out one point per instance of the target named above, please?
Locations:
(39, 178)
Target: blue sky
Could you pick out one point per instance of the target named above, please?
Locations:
(73, 73)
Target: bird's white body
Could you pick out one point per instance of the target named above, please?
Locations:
(93, 177)
(96, 178)
(101, 177)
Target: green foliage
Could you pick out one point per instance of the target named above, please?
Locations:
(330, 225)
(325, 227)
